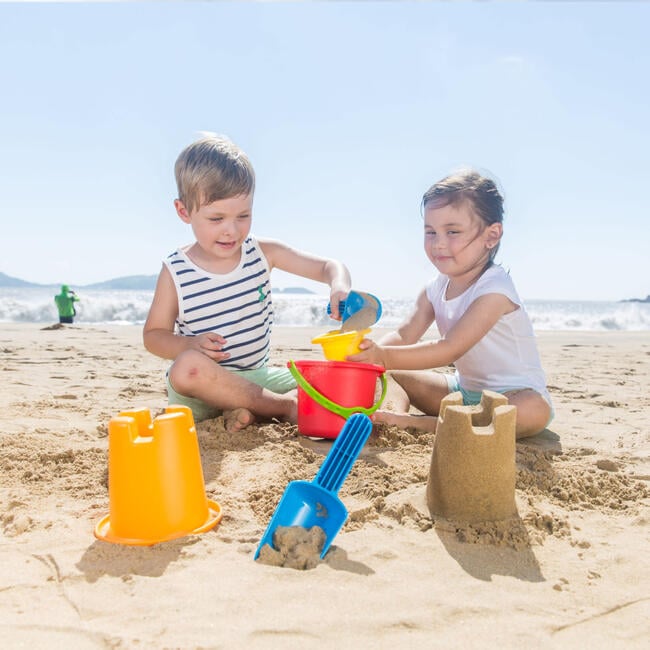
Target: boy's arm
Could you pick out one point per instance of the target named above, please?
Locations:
(321, 269)
(158, 332)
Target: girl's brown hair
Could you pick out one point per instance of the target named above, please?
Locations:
(468, 185)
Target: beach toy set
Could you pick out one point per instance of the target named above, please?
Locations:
(155, 480)
(330, 391)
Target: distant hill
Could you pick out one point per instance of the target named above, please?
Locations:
(293, 290)
(8, 281)
(132, 282)
(128, 282)
(646, 299)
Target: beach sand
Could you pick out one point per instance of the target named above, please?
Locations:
(572, 570)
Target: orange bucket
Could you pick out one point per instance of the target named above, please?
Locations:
(155, 480)
(329, 392)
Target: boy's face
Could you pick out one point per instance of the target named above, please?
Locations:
(220, 227)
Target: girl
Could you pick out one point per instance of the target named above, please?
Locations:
(485, 330)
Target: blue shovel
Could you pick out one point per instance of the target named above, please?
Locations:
(316, 503)
(358, 311)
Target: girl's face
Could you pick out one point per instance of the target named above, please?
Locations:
(220, 229)
(458, 242)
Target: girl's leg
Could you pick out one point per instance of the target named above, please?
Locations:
(421, 389)
(396, 400)
(425, 389)
(533, 411)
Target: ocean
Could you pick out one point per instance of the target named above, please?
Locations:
(128, 307)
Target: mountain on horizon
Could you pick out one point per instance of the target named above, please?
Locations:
(133, 282)
(8, 281)
(127, 282)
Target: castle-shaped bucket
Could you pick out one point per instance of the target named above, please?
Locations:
(155, 480)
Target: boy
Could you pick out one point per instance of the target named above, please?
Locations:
(211, 311)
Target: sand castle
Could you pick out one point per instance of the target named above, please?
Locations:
(472, 474)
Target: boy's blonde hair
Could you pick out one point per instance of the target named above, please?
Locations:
(210, 169)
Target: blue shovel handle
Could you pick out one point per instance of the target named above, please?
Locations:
(343, 453)
(343, 411)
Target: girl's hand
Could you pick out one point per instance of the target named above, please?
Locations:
(211, 344)
(370, 353)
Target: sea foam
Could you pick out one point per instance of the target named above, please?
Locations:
(310, 310)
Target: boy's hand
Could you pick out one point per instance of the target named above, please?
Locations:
(370, 353)
(211, 344)
(337, 297)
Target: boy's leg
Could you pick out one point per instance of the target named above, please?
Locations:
(195, 375)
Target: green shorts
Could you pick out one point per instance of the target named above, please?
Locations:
(277, 380)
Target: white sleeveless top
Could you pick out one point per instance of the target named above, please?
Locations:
(236, 305)
(506, 357)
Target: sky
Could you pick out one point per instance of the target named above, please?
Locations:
(348, 111)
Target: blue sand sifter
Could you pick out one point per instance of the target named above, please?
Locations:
(358, 311)
(316, 503)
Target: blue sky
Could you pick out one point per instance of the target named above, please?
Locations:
(348, 111)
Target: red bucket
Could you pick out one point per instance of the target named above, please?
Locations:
(330, 391)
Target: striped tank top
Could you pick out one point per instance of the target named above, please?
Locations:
(236, 305)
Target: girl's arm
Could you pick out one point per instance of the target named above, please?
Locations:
(321, 269)
(158, 332)
(475, 323)
(414, 326)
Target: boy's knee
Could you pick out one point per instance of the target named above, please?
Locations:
(186, 371)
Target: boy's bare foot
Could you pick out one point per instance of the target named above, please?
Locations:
(292, 415)
(237, 419)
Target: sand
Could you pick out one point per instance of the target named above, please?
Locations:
(571, 571)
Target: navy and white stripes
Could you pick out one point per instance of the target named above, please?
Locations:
(236, 305)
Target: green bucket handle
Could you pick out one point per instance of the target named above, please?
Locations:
(343, 411)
